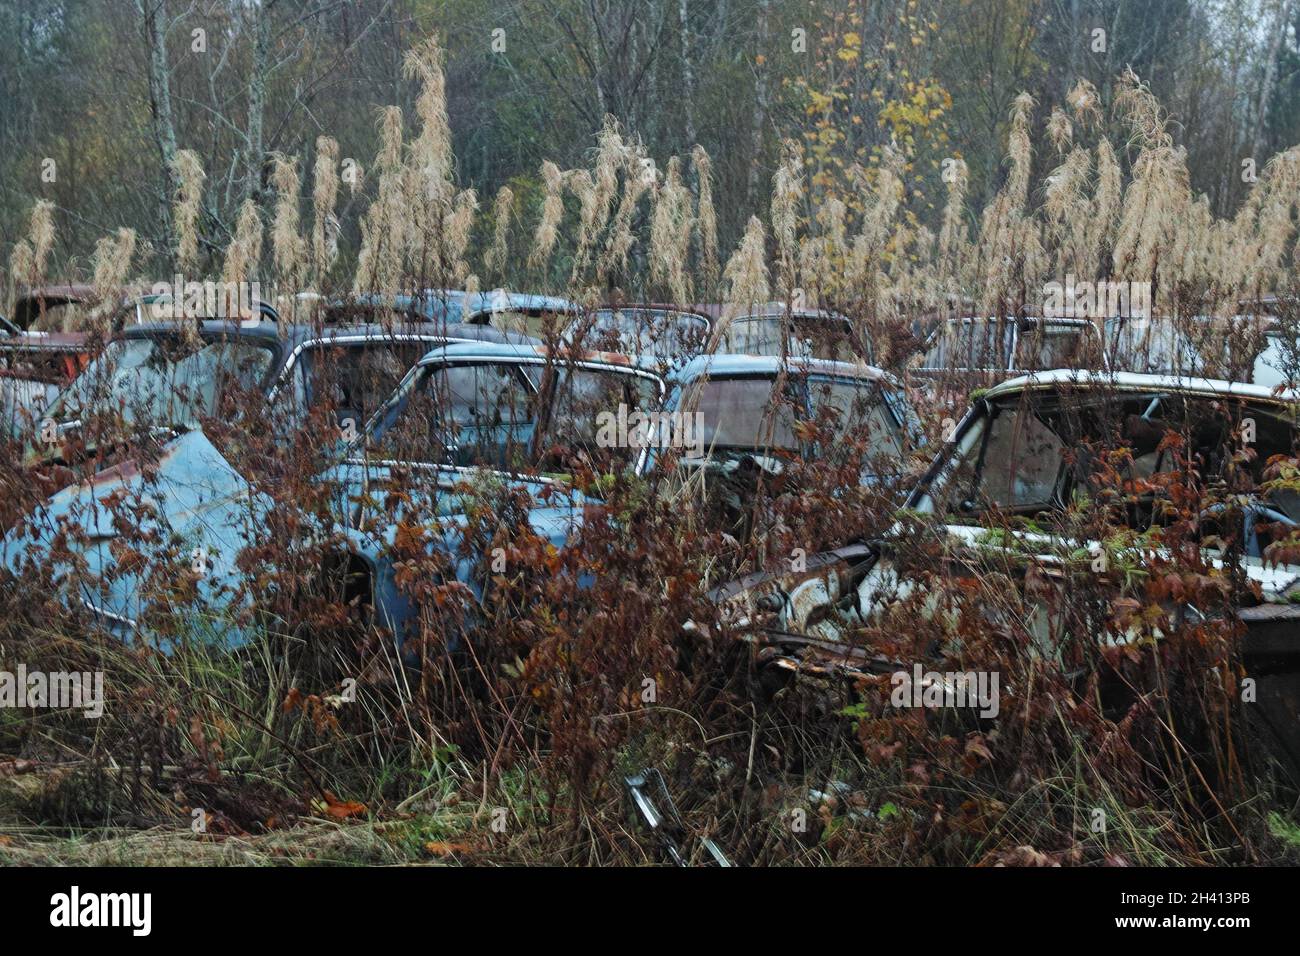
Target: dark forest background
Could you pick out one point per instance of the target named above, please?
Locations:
(95, 94)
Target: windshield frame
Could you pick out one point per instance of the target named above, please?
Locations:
(800, 383)
(829, 327)
(933, 493)
(357, 451)
(1010, 335)
(657, 336)
(270, 343)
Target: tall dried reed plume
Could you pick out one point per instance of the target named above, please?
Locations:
(456, 234)
(440, 217)
(27, 261)
(1010, 250)
(384, 224)
(324, 196)
(880, 203)
(581, 183)
(111, 263)
(1067, 206)
(953, 239)
(670, 234)
(787, 196)
(1085, 103)
(244, 254)
(41, 235)
(706, 218)
(548, 226)
(288, 247)
(1104, 218)
(1157, 192)
(186, 206)
(433, 145)
(498, 253)
(639, 175)
(746, 278)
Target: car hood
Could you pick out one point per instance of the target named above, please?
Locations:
(1277, 582)
(803, 603)
(190, 507)
(358, 488)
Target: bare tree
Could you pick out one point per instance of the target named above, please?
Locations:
(153, 14)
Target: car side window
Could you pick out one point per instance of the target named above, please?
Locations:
(1051, 347)
(860, 408)
(356, 378)
(1022, 460)
(972, 345)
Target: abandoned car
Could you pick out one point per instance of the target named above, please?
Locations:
(1035, 465)
(47, 347)
(554, 425)
(490, 411)
(978, 352)
(749, 408)
(172, 375)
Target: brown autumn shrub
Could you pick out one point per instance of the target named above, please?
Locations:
(583, 663)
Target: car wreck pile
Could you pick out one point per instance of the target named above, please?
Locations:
(978, 545)
(530, 520)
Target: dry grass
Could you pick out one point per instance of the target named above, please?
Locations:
(546, 719)
(186, 207)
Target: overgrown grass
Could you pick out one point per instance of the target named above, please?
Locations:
(502, 730)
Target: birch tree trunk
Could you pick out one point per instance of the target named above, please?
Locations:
(688, 74)
(257, 101)
(1280, 21)
(153, 15)
(759, 118)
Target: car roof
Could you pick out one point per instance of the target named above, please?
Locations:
(31, 301)
(454, 305)
(1141, 382)
(715, 310)
(777, 310)
(295, 334)
(1028, 319)
(654, 307)
(54, 341)
(730, 364)
(507, 351)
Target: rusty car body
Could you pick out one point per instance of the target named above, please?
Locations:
(468, 411)
(48, 346)
(1027, 461)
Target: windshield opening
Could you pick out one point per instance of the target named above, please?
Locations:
(58, 316)
(746, 414)
(659, 332)
(534, 324)
(1040, 454)
(859, 408)
(971, 345)
(164, 380)
(1150, 346)
(515, 417)
(1047, 346)
(800, 336)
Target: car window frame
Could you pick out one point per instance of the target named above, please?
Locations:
(359, 448)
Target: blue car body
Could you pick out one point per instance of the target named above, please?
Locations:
(197, 501)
